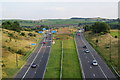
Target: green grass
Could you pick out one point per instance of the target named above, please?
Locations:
(71, 66)
(104, 41)
(53, 67)
(115, 33)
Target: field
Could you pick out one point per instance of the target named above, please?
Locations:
(70, 63)
(115, 33)
(107, 47)
(14, 43)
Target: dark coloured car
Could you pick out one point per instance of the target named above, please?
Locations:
(33, 65)
(84, 47)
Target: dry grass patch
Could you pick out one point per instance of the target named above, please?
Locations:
(11, 43)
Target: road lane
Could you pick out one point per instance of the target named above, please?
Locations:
(86, 61)
(40, 57)
(42, 65)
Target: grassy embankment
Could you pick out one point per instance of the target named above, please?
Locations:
(70, 66)
(103, 46)
(13, 42)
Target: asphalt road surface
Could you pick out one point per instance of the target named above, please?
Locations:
(39, 57)
(89, 71)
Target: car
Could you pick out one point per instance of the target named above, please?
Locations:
(94, 63)
(86, 51)
(84, 47)
(78, 34)
(33, 65)
(44, 42)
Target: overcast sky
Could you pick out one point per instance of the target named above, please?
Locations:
(42, 9)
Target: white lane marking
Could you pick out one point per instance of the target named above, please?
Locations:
(47, 63)
(88, 61)
(79, 59)
(61, 62)
(94, 75)
(94, 58)
(41, 59)
(35, 72)
(32, 62)
(48, 46)
(86, 57)
(91, 67)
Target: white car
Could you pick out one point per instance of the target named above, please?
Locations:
(86, 51)
(94, 63)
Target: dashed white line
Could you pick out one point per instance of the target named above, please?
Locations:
(46, 63)
(94, 58)
(94, 75)
(91, 67)
(32, 62)
(35, 72)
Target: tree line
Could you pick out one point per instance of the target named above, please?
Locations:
(15, 26)
(98, 27)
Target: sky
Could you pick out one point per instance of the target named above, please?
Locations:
(58, 9)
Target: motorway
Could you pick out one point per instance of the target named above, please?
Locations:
(39, 57)
(89, 71)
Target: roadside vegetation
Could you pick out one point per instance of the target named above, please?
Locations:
(115, 33)
(16, 48)
(70, 63)
(106, 45)
(105, 41)
(53, 67)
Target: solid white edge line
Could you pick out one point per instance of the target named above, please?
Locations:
(47, 61)
(31, 63)
(40, 59)
(61, 62)
(94, 57)
(79, 59)
(27, 59)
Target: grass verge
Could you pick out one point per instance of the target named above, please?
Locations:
(71, 67)
(53, 67)
(103, 47)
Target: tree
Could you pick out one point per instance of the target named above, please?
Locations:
(11, 25)
(87, 27)
(99, 27)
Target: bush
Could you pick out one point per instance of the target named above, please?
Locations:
(19, 52)
(34, 35)
(30, 34)
(10, 35)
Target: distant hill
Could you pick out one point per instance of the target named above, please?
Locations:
(62, 22)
